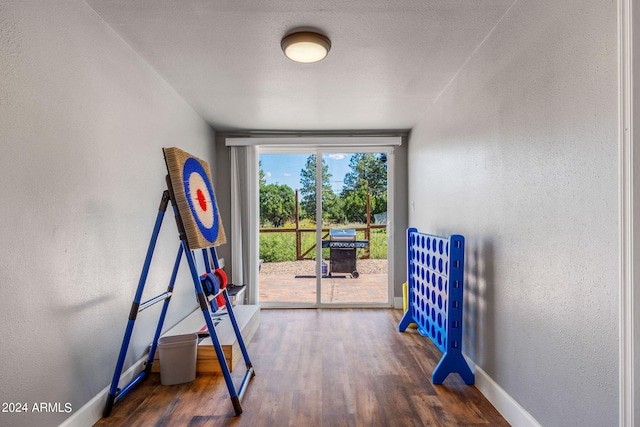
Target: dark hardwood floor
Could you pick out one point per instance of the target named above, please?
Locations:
(342, 367)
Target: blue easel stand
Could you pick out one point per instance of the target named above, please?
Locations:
(116, 394)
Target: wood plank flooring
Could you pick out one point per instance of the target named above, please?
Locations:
(325, 367)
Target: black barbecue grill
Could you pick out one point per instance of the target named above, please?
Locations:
(342, 246)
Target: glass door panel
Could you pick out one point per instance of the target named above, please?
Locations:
(287, 229)
(354, 242)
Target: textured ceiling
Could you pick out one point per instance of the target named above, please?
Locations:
(389, 59)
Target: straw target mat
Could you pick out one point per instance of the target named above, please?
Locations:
(191, 181)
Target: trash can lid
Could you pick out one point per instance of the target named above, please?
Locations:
(178, 340)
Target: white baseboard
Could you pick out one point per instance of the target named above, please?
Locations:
(511, 410)
(92, 411)
(398, 302)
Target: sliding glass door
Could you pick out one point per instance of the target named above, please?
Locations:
(323, 227)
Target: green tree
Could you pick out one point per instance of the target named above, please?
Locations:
(261, 177)
(277, 204)
(308, 190)
(368, 171)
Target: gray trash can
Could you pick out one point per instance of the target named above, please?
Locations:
(178, 355)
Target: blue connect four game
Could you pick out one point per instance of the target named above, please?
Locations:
(435, 291)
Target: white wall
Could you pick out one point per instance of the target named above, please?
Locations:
(82, 123)
(519, 154)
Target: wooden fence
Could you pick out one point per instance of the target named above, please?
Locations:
(304, 254)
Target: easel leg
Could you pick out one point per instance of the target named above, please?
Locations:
(163, 313)
(250, 372)
(113, 391)
(204, 306)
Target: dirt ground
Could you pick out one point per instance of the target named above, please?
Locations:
(365, 266)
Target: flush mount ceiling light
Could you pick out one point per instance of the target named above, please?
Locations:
(305, 46)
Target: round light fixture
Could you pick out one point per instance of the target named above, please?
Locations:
(305, 46)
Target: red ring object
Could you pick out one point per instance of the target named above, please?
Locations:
(222, 278)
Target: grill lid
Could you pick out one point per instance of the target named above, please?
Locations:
(342, 234)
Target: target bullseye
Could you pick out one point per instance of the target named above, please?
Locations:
(201, 198)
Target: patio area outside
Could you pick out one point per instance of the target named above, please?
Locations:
(295, 282)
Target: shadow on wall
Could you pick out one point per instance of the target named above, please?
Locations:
(478, 311)
(74, 309)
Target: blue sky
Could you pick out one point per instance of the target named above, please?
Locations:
(285, 168)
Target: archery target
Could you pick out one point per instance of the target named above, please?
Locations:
(194, 196)
(200, 198)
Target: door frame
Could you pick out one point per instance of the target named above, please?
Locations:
(629, 198)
